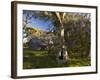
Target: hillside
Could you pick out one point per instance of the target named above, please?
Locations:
(36, 32)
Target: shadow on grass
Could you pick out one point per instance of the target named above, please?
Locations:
(40, 59)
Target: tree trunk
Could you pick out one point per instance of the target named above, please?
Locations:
(63, 55)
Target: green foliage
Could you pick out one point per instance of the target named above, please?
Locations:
(78, 37)
(77, 40)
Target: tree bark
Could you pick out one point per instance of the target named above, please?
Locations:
(64, 54)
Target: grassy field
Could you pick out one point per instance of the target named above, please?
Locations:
(40, 59)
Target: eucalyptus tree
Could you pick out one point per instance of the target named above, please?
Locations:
(58, 24)
(57, 20)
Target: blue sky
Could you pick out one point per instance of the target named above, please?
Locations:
(44, 25)
(37, 23)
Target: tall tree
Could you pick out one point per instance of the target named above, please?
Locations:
(72, 23)
(57, 19)
(61, 18)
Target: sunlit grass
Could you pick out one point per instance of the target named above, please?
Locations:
(41, 59)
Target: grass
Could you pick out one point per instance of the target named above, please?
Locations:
(40, 59)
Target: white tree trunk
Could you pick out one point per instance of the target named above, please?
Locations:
(65, 55)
